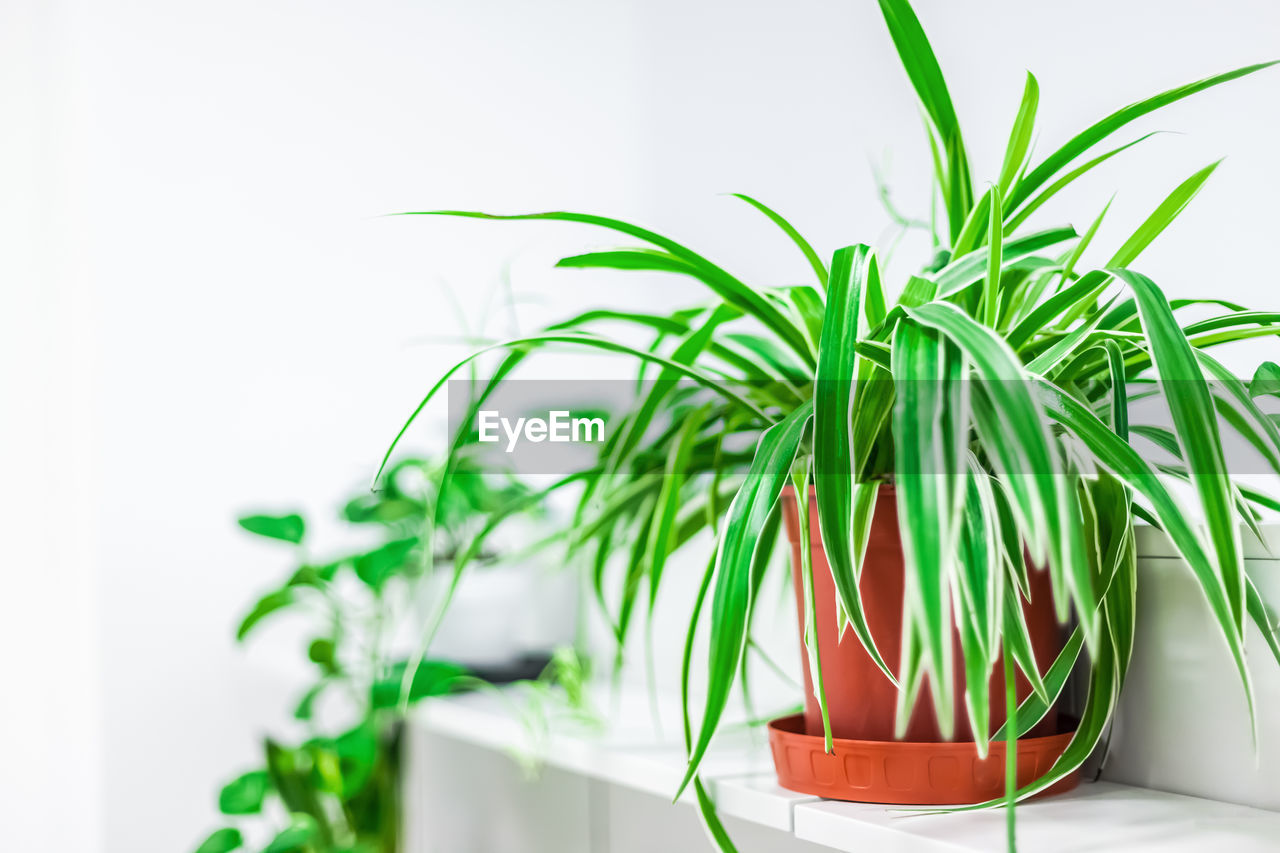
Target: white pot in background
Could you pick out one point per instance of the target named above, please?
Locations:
(1183, 723)
(503, 614)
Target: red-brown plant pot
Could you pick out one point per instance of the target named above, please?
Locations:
(868, 764)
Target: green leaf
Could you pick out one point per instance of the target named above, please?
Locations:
(921, 65)
(1161, 217)
(661, 538)
(1017, 637)
(711, 820)
(874, 308)
(314, 576)
(819, 269)
(1083, 291)
(430, 678)
(294, 838)
(577, 340)
(1013, 432)
(800, 481)
(1100, 702)
(1065, 346)
(812, 310)
(1115, 454)
(974, 228)
(648, 260)
(686, 662)
(1086, 139)
(1196, 425)
(722, 283)
(287, 528)
(991, 286)
(1053, 189)
(929, 507)
(1068, 268)
(978, 578)
(1119, 393)
(1032, 709)
(664, 325)
(1125, 315)
(918, 291)
(762, 359)
(1266, 380)
(221, 841)
(1011, 755)
(1264, 618)
(306, 705)
(291, 778)
(244, 794)
(375, 567)
(835, 473)
(760, 560)
(967, 269)
(272, 602)
(693, 345)
(730, 602)
(1237, 407)
(1015, 153)
(321, 651)
(632, 577)
(378, 509)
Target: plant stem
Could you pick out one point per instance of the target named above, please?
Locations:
(1011, 751)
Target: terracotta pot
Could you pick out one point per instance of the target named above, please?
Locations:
(861, 701)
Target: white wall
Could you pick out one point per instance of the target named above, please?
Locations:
(252, 332)
(260, 330)
(50, 707)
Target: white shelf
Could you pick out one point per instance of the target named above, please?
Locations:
(738, 769)
(739, 772)
(1096, 816)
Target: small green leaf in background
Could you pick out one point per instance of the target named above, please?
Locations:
(321, 652)
(432, 678)
(356, 751)
(1266, 380)
(372, 508)
(268, 604)
(221, 841)
(302, 828)
(316, 576)
(306, 705)
(326, 767)
(244, 795)
(376, 566)
(287, 776)
(288, 528)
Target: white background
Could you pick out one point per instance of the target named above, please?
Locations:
(204, 313)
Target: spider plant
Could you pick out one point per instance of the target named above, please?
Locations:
(992, 389)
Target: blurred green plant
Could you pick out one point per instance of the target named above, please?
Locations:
(339, 792)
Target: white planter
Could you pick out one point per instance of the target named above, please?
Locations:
(1183, 723)
(501, 614)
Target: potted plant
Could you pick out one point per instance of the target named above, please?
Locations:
(336, 787)
(953, 458)
(488, 625)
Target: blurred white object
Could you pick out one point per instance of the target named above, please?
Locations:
(503, 614)
(1182, 724)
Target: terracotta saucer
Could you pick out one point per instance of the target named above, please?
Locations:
(907, 773)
